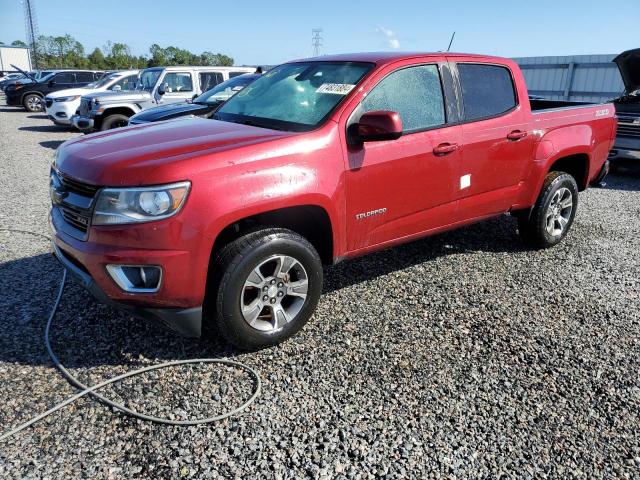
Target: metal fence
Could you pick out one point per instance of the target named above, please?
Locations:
(581, 78)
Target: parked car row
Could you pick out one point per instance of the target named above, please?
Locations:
(91, 100)
(157, 86)
(30, 92)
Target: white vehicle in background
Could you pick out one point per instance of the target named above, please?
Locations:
(62, 105)
(157, 86)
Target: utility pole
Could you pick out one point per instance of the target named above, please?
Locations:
(31, 24)
(316, 40)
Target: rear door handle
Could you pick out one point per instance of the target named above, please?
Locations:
(516, 135)
(445, 148)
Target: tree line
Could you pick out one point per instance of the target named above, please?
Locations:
(67, 52)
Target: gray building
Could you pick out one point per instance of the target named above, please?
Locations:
(580, 78)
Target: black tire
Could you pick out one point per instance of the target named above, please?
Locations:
(534, 228)
(116, 120)
(232, 267)
(33, 103)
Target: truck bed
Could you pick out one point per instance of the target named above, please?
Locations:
(537, 105)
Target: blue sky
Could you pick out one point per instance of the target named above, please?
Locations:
(269, 32)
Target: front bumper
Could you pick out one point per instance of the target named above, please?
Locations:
(61, 112)
(12, 98)
(185, 321)
(82, 123)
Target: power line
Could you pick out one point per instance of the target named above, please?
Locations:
(31, 23)
(316, 40)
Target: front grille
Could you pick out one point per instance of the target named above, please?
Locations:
(48, 102)
(85, 107)
(75, 186)
(77, 217)
(73, 200)
(628, 130)
(627, 126)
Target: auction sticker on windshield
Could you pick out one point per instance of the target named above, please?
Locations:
(335, 88)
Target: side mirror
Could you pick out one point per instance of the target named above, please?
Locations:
(116, 88)
(379, 125)
(161, 90)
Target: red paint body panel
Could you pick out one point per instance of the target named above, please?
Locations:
(238, 171)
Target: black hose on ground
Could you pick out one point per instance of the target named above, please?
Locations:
(91, 390)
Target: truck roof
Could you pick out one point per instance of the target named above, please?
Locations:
(389, 57)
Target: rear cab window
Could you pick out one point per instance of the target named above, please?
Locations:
(487, 90)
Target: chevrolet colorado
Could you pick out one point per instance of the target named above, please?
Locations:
(228, 221)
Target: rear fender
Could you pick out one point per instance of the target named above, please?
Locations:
(553, 146)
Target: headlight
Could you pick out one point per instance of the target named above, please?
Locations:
(67, 99)
(116, 206)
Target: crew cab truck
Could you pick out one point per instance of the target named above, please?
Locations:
(228, 221)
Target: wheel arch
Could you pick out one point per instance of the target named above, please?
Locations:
(32, 92)
(118, 110)
(311, 221)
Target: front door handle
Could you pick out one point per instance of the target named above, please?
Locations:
(445, 148)
(516, 135)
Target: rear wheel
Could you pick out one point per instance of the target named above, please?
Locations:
(33, 103)
(553, 214)
(268, 286)
(116, 120)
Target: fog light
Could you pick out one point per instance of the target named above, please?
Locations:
(136, 278)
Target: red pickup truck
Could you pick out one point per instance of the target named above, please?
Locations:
(231, 219)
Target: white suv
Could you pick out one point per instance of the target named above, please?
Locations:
(62, 105)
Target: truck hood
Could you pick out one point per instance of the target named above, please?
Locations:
(629, 65)
(128, 156)
(128, 96)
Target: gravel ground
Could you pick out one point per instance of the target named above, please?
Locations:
(463, 355)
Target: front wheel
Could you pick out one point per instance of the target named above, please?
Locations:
(33, 103)
(553, 214)
(116, 120)
(268, 285)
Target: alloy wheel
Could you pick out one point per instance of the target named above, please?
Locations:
(274, 293)
(559, 212)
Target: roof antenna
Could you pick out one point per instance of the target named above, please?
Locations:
(451, 41)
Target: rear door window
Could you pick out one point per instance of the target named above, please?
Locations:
(487, 90)
(415, 93)
(208, 80)
(66, 78)
(84, 77)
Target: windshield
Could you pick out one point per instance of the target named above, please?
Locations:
(225, 90)
(148, 79)
(103, 81)
(46, 78)
(294, 96)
